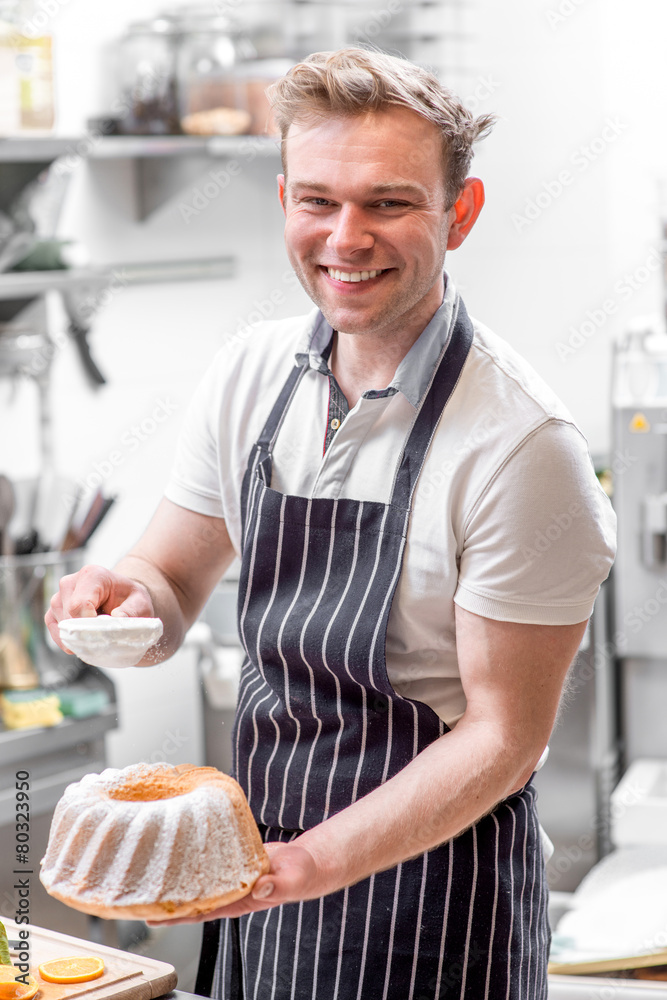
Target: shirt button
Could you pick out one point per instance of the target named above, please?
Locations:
(335, 424)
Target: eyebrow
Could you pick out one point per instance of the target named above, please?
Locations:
(380, 188)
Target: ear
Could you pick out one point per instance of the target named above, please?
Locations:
(281, 190)
(464, 211)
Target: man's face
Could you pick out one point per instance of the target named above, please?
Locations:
(366, 219)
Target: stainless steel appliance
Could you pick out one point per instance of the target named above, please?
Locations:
(574, 787)
(638, 636)
(639, 466)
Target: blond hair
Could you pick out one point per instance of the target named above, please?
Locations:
(354, 81)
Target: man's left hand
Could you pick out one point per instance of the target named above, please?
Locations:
(293, 876)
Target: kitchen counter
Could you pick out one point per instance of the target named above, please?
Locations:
(594, 988)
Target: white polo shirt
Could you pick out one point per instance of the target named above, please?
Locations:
(508, 519)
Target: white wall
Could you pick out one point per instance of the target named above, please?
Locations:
(564, 72)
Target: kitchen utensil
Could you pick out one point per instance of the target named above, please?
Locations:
(92, 523)
(79, 328)
(68, 536)
(16, 670)
(57, 512)
(21, 348)
(110, 641)
(85, 520)
(81, 513)
(45, 498)
(7, 508)
(25, 346)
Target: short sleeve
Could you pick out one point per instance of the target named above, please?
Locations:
(195, 476)
(540, 539)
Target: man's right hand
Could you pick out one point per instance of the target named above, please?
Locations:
(169, 574)
(95, 590)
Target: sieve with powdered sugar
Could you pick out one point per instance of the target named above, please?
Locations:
(109, 640)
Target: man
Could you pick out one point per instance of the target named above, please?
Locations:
(387, 471)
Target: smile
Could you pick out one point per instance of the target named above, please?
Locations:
(352, 275)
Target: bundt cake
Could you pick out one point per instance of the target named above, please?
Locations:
(153, 841)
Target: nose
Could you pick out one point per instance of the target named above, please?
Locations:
(350, 233)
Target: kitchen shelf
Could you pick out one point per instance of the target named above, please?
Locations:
(149, 147)
(25, 284)
(44, 149)
(163, 165)
(54, 757)
(33, 150)
(21, 744)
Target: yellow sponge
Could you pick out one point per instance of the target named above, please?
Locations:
(23, 709)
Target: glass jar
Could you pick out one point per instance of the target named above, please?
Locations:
(26, 69)
(147, 71)
(258, 74)
(213, 97)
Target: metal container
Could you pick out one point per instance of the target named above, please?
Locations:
(28, 655)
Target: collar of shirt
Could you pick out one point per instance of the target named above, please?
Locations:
(414, 373)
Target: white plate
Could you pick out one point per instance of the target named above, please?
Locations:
(110, 641)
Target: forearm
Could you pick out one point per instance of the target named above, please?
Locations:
(454, 782)
(443, 791)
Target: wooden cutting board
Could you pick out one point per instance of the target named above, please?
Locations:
(126, 976)
(608, 964)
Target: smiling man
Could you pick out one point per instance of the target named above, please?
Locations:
(369, 251)
(382, 467)
(367, 225)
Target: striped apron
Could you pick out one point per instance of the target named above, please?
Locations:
(318, 725)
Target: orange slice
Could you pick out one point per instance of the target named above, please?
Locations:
(11, 989)
(78, 969)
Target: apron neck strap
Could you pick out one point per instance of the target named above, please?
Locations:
(443, 383)
(267, 438)
(445, 379)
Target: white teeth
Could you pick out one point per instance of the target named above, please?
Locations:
(352, 275)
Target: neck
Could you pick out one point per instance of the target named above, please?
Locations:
(366, 362)
(362, 361)
(369, 359)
